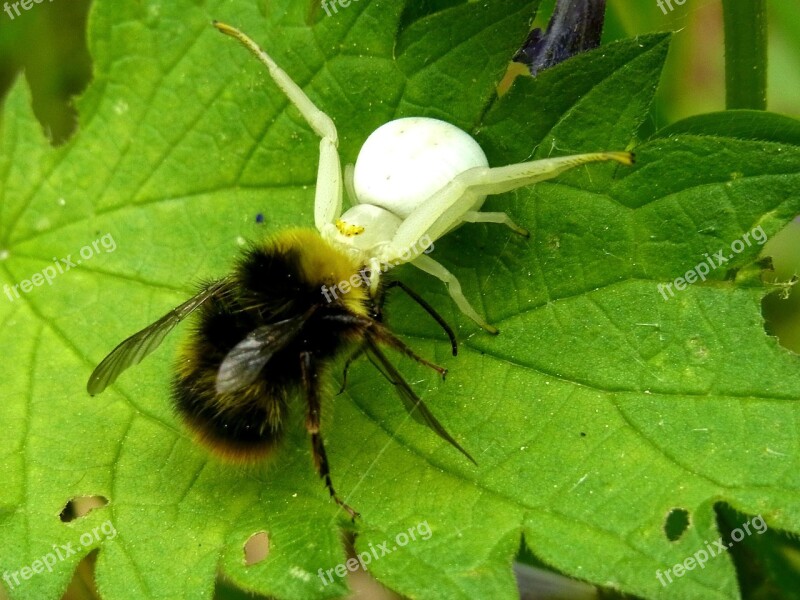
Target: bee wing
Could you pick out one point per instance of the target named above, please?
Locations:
(413, 403)
(132, 350)
(244, 362)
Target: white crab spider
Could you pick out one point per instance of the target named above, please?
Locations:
(414, 179)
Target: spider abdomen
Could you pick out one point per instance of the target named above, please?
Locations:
(405, 161)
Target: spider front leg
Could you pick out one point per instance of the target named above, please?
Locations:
(452, 205)
(328, 197)
(446, 208)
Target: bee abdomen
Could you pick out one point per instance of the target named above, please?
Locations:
(243, 426)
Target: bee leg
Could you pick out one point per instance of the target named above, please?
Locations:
(350, 360)
(384, 336)
(311, 386)
(380, 334)
(426, 307)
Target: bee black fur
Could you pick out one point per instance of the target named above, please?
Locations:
(267, 333)
(272, 282)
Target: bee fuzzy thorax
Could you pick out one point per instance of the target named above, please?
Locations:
(266, 336)
(322, 264)
(277, 284)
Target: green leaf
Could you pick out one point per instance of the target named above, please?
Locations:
(740, 124)
(599, 409)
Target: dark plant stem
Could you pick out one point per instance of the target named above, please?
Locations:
(745, 53)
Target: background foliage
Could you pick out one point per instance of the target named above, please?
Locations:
(598, 411)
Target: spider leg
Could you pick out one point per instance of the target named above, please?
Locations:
(475, 216)
(453, 204)
(349, 185)
(328, 197)
(430, 266)
(311, 387)
(445, 209)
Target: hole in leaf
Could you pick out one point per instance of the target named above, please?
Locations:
(82, 584)
(753, 547)
(80, 506)
(676, 524)
(781, 309)
(49, 46)
(256, 548)
(536, 580)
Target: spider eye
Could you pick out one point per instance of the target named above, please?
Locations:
(348, 229)
(366, 226)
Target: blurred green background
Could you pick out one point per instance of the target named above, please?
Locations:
(47, 46)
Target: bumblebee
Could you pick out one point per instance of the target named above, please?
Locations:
(268, 332)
